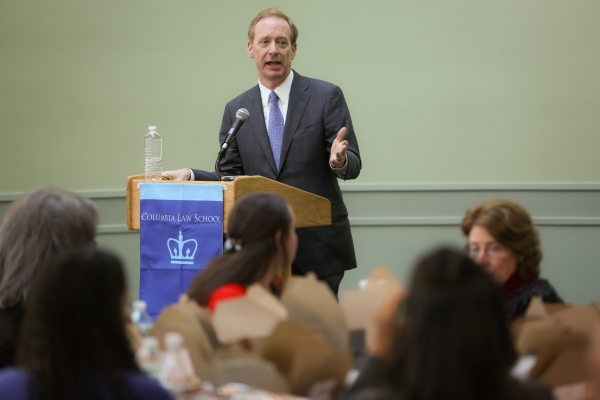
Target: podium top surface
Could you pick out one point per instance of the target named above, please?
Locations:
(310, 210)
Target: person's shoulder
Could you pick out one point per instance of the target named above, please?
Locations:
(312, 83)
(226, 292)
(230, 290)
(243, 98)
(13, 383)
(542, 287)
(14, 375)
(518, 301)
(145, 387)
(542, 283)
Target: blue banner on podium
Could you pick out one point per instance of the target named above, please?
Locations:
(181, 230)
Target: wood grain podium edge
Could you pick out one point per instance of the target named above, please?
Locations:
(310, 210)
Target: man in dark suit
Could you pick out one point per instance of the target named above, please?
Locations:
(299, 133)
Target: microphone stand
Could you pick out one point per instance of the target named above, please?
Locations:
(241, 116)
(223, 178)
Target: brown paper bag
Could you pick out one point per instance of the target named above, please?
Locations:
(560, 341)
(238, 363)
(534, 334)
(359, 305)
(192, 321)
(562, 362)
(311, 302)
(304, 357)
(253, 316)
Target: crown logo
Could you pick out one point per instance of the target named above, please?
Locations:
(180, 250)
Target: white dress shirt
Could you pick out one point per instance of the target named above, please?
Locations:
(282, 91)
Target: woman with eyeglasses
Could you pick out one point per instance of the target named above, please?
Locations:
(503, 240)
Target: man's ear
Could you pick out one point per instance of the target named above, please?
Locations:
(294, 47)
(250, 49)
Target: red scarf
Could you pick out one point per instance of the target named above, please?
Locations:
(225, 292)
(515, 282)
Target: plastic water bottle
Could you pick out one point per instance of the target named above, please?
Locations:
(140, 317)
(177, 372)
(149, 357)
(153, 155)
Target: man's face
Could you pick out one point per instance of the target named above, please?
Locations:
(272, 51)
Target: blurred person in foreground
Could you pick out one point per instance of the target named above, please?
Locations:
(447, 339)
(503, 240)
(38, 229)
(261, 242)
(73, 340)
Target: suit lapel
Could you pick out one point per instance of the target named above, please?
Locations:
(297, 104)
(257, 121)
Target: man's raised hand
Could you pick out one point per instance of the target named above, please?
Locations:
(337, 157)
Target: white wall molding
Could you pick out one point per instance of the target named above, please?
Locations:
(427, 204)
(470, 186)
(456, 220)
(389, 187)
(104, 229)
(90, 194)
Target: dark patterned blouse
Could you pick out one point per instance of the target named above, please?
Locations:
(519, 291)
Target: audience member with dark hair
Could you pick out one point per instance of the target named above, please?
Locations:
(448, 339)
(38, 228)
(262, 240)
(503, 240)
(73, 341)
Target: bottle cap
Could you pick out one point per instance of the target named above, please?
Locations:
(152, 128)
(173, 340)
(139, 305)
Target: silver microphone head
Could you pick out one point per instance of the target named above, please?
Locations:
(242, 114)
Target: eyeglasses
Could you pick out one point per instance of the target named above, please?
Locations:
(492, 251)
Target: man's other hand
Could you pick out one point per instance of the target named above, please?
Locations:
(337, 158)
(177, 175)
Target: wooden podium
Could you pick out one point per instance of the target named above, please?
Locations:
(310, 209)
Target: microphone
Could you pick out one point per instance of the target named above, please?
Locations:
(240, 117)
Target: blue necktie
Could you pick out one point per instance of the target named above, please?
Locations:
(275, 129)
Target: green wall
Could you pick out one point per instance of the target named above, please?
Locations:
(441, 92)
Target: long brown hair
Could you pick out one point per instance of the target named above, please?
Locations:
(75, 325)
(253, 224)
(456, 342)
(39, 228)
